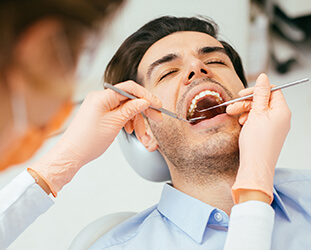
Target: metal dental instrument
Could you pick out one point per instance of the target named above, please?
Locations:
(286, 85)
(162, 110)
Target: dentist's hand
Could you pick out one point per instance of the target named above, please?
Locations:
(100, 118)
(266, 123)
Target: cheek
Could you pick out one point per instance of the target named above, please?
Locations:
(238, 87)
(234, 83)
(237, 84)
(168, 96)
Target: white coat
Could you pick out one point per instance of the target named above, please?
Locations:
(21, 202)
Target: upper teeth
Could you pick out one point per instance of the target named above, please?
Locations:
(200, 96)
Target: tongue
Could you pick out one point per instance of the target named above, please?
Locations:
(206, 103)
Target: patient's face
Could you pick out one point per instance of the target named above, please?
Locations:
(190, 71)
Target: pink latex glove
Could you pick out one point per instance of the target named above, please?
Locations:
(266, 123)
(100, 118)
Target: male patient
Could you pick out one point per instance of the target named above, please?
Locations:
(181, 61)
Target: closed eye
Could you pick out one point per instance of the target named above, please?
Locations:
(167, 74)
(215, 62)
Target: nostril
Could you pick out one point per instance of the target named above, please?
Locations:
(191, 75)
(203, 71)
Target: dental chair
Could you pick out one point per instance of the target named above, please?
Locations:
(138, 157)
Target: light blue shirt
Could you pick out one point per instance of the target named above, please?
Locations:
(180, 221)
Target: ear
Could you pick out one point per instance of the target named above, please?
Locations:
(148, 139)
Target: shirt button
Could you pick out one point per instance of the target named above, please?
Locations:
(218, 217)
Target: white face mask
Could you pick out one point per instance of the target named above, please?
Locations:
(19, 111)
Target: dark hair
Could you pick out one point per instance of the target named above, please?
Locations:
(76, 16)
(123, 66)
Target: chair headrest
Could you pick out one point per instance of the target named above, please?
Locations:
(149, 165)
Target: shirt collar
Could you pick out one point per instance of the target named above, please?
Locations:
(192, 215)
(277, 201)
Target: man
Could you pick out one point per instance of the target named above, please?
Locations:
(181, 61)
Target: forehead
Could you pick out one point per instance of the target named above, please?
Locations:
(182, 43)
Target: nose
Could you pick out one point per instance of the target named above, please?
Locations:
(196, 69)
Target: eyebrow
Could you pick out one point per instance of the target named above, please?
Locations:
(162, 60)
(208, 50)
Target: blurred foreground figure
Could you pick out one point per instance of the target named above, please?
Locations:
(40, 44)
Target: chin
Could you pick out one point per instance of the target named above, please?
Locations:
(200, 150)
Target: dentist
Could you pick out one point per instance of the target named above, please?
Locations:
(40, 46)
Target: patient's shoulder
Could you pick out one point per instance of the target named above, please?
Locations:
(126, 231)
(293, 186)
(284, 176)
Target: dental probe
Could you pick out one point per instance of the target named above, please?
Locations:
(286, 85)
(162, 110)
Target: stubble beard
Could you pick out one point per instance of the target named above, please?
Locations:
(200, 162)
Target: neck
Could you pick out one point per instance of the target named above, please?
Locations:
(6, 122)
(215, 191)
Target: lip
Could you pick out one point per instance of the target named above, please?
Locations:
(203, 87)
(213, 122)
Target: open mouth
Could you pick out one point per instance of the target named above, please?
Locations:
(204, 100)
